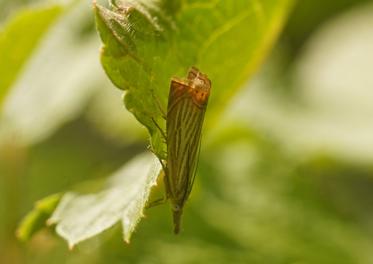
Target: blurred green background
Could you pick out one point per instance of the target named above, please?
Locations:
(285, 177)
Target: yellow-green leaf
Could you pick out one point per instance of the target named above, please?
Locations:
(148, 42)
(19, 38)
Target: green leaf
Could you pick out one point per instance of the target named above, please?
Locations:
(81, 216)
(63, 72)
(148, 42)
(36, 219)
(19, 38)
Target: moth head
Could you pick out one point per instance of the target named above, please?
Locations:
(200, 85)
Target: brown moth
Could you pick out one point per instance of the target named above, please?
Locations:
(186, 109)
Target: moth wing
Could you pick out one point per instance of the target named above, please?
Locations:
(178, 91)
(194, 169)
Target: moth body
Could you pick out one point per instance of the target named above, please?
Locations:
(186, 109)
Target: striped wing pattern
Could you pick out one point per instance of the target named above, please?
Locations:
(186, 110)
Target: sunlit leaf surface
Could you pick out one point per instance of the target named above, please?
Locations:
(81, 216)
(148, 42)
(19, 39)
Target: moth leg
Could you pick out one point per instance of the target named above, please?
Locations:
(163, 199)
(164, 168)
(160, 129)
(159, 159)
(159, 105)
(156, 202)
(150, 148)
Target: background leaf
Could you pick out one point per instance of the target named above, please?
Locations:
(19, 38)
(68, 56)
(37, 218)
(148, 42)
(81, 216)
(328, 114)
(285, 176)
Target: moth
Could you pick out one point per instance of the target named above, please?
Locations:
(186, 109)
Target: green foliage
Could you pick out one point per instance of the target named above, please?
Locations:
(18, 40)
(278, 209)
(37, 218)
(285, 176)
(81, 216)
(63, 73)
(145, 44)
(148, 42)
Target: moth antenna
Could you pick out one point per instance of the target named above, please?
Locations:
(160, 129)
(159, 105)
